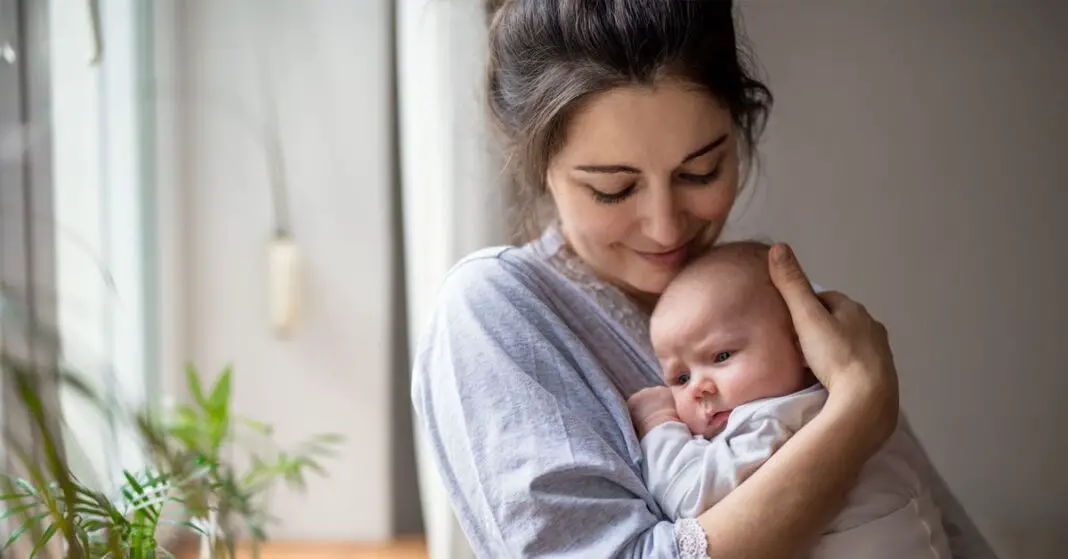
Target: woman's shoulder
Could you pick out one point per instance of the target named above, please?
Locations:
(490, 277)
(517, 277)
(495, 298)
(492, 316)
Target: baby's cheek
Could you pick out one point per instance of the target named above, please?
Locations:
(744, 383)
(680, 402)
(687, 410)
(756, 381)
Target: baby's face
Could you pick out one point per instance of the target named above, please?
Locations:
(724, 337)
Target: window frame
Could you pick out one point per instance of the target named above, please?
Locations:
(27, 247)
(36, 243)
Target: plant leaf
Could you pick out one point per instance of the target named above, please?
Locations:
(218, 402)
(22, 529)
(258, 426)
(192, 379)
(17, 510)
(49, 532)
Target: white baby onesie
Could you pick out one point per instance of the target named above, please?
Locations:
(890, 514)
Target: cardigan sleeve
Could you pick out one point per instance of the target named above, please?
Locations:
(528, 473)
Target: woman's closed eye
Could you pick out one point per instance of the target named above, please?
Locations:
(611, 197)
(618, 196)
(700, 179)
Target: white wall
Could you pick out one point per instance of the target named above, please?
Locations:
(916, 160)
(328, 62)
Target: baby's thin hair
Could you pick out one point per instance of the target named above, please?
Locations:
(754, 252)
(749, 248)
(744, 255)
(755, 244)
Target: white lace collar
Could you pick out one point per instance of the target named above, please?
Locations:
(621, 308)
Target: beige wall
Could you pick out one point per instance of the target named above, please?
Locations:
(916, 159)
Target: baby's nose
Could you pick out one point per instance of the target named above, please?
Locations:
(702, 386)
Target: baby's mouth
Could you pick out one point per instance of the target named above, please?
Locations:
(716, 419)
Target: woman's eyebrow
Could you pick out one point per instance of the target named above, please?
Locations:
(711, 146)
(612, 169)
(607, 169)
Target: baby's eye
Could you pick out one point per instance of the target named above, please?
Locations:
(722, 356)
(683, 378)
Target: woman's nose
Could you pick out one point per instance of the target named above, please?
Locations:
(663, 218)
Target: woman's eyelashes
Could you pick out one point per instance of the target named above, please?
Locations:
(621, 195)
(611, 197)
(704, 179)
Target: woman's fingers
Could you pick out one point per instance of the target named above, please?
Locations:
(833, 300)
(805, 307)
(850, 314)
(843, 345)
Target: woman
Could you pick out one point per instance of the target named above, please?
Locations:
(630, 123)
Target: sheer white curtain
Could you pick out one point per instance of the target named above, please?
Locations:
(451, 196)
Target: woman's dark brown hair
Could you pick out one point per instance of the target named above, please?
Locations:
(547, 56)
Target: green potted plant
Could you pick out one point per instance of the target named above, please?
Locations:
(51, 508)
(223, 499)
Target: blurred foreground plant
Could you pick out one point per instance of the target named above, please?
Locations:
(50, 508)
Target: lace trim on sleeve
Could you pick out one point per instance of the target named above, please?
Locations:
(690, 539)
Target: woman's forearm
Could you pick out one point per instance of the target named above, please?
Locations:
(783, 507)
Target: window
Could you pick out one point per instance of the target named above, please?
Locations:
(78, 104)
(26, 249)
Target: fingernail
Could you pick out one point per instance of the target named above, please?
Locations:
(783, 254)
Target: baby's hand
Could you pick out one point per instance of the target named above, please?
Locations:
(650, 407)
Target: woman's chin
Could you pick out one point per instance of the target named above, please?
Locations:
(643, 283)
(651, 281)
(644, 293)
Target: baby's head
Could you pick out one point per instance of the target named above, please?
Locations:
(724, 336)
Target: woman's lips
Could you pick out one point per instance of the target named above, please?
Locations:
(670, 259)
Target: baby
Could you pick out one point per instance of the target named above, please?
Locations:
(739, 388)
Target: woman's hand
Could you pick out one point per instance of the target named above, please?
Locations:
(650, 407)
(847, 349)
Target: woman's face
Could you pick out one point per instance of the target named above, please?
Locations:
(645, 179)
